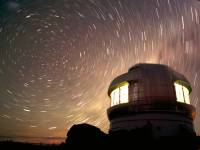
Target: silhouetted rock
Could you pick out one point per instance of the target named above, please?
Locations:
(84, 135)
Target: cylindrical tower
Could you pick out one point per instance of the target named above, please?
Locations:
(151, 94)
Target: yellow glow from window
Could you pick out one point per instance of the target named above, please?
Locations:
(112, 98)
(182, 93)
(179, 93)
(116, 96)
(186, 95)
(119, 95)
(124, 94)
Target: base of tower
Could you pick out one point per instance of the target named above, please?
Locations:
(174, 120)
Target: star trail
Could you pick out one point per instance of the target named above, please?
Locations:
(57, 58)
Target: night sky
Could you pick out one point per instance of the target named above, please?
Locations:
(58, 57)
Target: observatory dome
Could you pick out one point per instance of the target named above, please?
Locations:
(150, 92)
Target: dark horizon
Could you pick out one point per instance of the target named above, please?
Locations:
(36, 140)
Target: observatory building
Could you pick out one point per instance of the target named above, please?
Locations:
(151, 94)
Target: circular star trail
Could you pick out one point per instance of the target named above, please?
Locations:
(58, 58)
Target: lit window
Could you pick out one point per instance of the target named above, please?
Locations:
(124, 94)
(179, 93)
(119, 95)
(186, 95)
(112, 98)
(116, 96)
(182, 93)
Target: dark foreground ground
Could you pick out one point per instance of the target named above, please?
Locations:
(10, 145)
(174, 143)
(85, 136)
